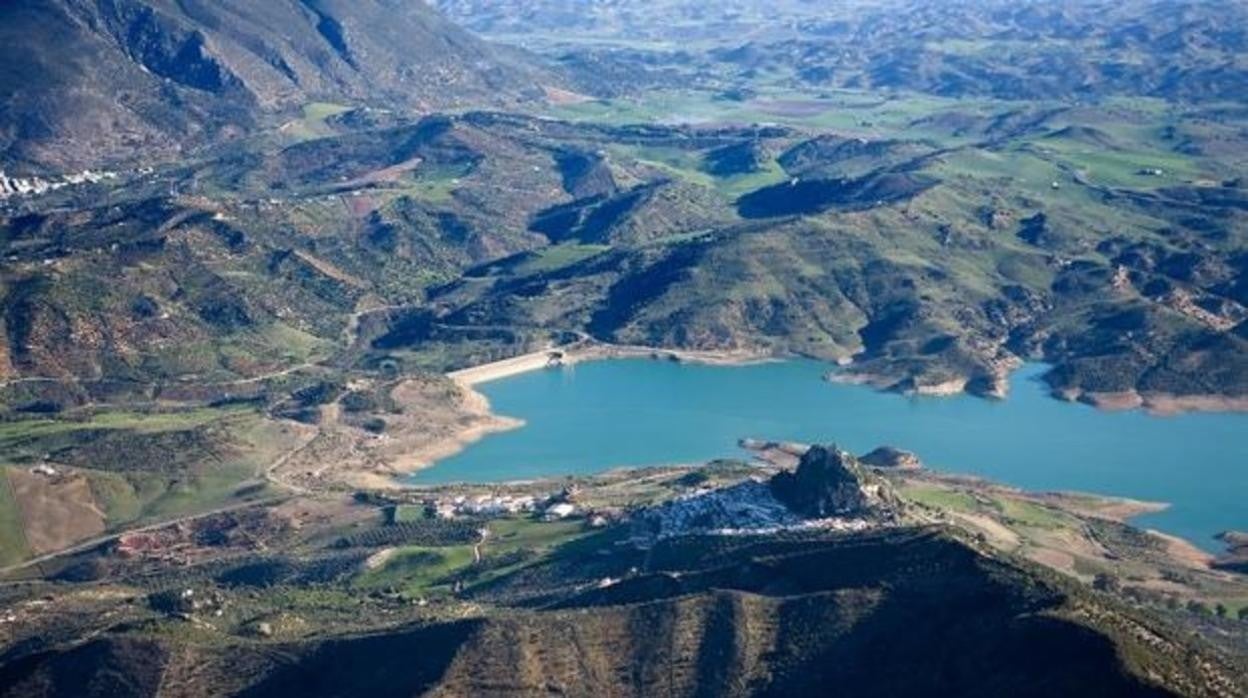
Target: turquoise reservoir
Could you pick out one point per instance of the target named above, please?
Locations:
(601, 415)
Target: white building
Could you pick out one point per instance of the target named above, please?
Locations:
(561, 510)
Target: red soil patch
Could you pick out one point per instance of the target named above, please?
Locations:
(361, 206)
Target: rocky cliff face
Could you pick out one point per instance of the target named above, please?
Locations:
(831, 482)
(1235, 558)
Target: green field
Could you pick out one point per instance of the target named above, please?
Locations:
(1121, 168)
(417, 570)
(549, 259)
(512, 544)
(13, 546)
(16, 434)
(940, 498)
(1033, 515)
(311, 124)
(851, 112)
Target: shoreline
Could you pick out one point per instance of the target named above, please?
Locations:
(480, 421)
(1184, 550)
(538, 360)
(1156, 404)
(887, 384)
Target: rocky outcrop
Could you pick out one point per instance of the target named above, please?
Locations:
(830, 489)
(1235, 559)
(831, 482)
(891, 457)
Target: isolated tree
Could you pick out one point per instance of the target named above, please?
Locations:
(1106, 582)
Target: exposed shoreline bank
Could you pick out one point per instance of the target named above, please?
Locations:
(1160, 404)
(555, 356)
(479, 420)
(1157, 404)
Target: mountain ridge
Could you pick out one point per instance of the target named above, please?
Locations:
(743, 616)
(91, 83)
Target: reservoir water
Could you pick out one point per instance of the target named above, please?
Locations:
(601, 415)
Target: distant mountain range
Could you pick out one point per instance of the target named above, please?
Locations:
(86, 82)
(1002, 49)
